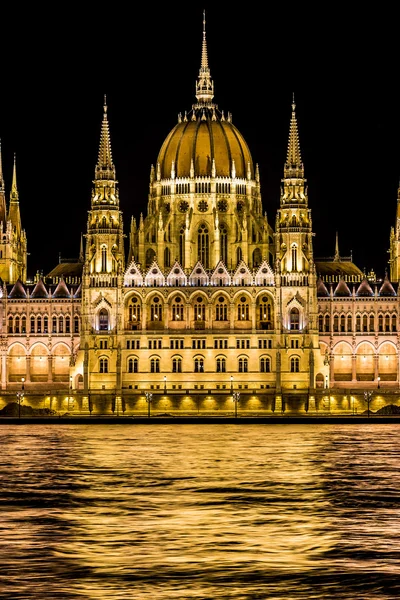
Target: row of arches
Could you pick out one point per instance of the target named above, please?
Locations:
(365, 323)
(42, 323)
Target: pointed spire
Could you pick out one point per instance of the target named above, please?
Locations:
(3, 207)
(293, 166)
(81, 254)
(336, 258)
(14, 190)
(204, 85)
(105, 167)
(1, 171)
(13, 210)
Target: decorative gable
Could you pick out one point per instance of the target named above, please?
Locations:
(61, 290)
(364, 289)
(154, 276)
(220, 275)
(386, 288)
(242, 275)
(133, 276)
(264, 275)
(322, 290)
(198, 276)
(18, 290)
(39, 291)
(176, 275)
(342, 289)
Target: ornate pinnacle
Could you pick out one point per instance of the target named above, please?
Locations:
(293, 166)
(105, 167)
(204, 85)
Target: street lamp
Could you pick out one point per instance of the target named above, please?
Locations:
(165, 384)
(236, 397)
(20, 396)
(368, 398)
(379, 382)
(149, 398)
(70, 391)
(231, 383)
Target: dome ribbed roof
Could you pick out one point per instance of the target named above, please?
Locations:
(198, 142)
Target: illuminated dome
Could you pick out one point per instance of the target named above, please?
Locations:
(204, 142)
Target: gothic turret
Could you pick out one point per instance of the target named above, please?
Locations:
(395, 245)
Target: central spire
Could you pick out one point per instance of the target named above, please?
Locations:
(105, 167)
(204, 85)
(293, 166)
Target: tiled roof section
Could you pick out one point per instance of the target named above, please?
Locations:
(61, 290)
(342, 289)
(337, 268)
(67, 270)
(18, 290)
(364, 289)
(39, 291)
(386, 288)
(321, 288)
(78, 293)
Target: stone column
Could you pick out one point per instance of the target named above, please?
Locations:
(353, 367)
(278, 388)
(28, 368)
(50, 368)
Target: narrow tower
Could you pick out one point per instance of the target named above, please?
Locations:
(395, 245)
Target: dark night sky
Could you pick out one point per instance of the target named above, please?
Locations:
(342, 67)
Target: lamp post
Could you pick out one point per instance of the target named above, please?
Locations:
(20, 396)
(379, 382)
(236, 397)
(368, 398)
(70, 391)
(149, 398)
(165, 384)
(231, 384)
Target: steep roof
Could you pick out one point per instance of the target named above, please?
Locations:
(39, 291)
(321, 288)
(364, 289)
(66, 269)
(342, 289)
(61, 290)
(18, 290)
(386, 288)
(338, 268)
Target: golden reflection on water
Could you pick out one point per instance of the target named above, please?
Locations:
(209, 511)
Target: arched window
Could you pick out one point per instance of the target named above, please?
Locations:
(103, 320)
(167, 257)
(133, 365)
(16, 325)
(257, 258)
(150, 254)
(134, 310)
(199, 365)
(155, 365)
(60, 324)
(199, 309)
(336, 323)
(294, 319)
(380, 323)
(76, 324)
(177, 365)
(46, 324)
(11, 326)
(239, 255)
(203, 245)
(294, 364)
(39, 324)
(221, 309)
(365, 323)
(358, 323)
(103, 365)
(182, 246)
(294, 257)
(223, 243)
(342, 323)
(265, 309)
(327, 323)
(23, 324)
(265, 364)
(221, 365)
(103, 259)
(54, 327)
(243, 309)
(243, 365)
(387, 323)
(349, 323)
(394, 323)
(371, 323)
(177, 309)
(156, 310)
(32, 324)
(67, 324)
(320, 323)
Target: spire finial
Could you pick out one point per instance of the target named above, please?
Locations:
(14, 190)
(294, 166)
(105, 103)
(204, 85)
(105, 167)
(293, 103)
(336, 258)
(1, 171)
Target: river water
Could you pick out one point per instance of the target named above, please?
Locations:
(161, 512)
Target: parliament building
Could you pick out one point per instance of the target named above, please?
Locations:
(210, 307)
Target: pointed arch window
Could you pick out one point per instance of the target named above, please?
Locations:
(156, 310)
(223, 243)
(133, 365)
(76, 324)
(387, 323)
(349, 323)
(32, 324)
(365, 323)
(243, 365)
(10, 325)
(394, 323)
(23, 324)
(265, 364)
(39, 324)
(199, 364)
(54, 326)
(342, 323)
(295, 364)
(16, 325)
(221, 365)
(380, 323)
(103, 320)
(177, 364)
(46, 324)
(336, 323)
(203, 245)
(327, 323)
(103, 259)
(358, 323)
(67, 324)
(294, 257)
(61, 325)
(221, 309)
(155, 365)
(320, 323)
(199, 310)
(177, 309)
(103, 364)
(265, 310)
(371, 323)
(239, 255)
(294, 319)
(243, 309)
(167, 257)
(134, 312)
